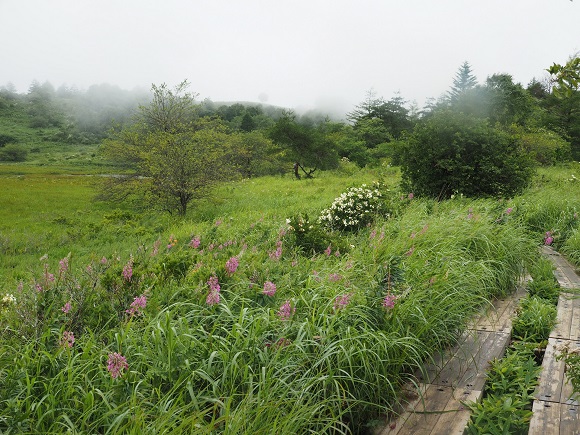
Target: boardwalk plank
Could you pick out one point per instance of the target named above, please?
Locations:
(546, 418)
(563, 318)
(498, 317)
(575, 323)
(569, 420)
(552, 376)
(457, 415)
(427, 412)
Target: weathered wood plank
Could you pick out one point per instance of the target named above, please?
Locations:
(428, 411)
(498, 317)
(564, 272)
(546, 418)
(563, 318)
(552, 375)
(394, 425)
(569, 420)
(456, 416)
(575, 324)
(493, 347)
(459, 363)
(467, 369)
(441, 359)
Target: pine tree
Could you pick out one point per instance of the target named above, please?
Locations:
(464, 80)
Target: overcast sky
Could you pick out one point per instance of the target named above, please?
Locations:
(292, 53)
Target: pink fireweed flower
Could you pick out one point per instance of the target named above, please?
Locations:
(104, 260)
(389, 301)
(328, 251)
(548, 239)
(137, 306)
(213, 296)
(269, 288)
(116, 364)
(232, 265)
(156, 245)
(213, 283)
(334, 277)
(341, 301)
(38, 288)
(63, 266)
(275, 255)
(128, 270)
(372, 234)
(195, 242)
(411, 195)
(67, 339)
(66, 307)
(286, 311)
(509, 210)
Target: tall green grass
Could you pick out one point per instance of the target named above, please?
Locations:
(237, 367)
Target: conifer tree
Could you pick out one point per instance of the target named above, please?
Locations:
(464, 81)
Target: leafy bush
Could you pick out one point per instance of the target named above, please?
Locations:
(500, 415)
(545, 146)
(310, 237)
(453, 153)
(6, 139)
(353, 209)
(535, 319)
(12, 153)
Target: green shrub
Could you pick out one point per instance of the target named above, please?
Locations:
(12, 153)
(534, 321)
(6, 139)
(310, 237)
(500, 415)
(545, 146)
(453, 153)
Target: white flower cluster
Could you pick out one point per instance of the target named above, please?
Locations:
(7, 300)
(352, 209)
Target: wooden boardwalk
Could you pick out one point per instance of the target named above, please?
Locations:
(554, 411)
(458, 375)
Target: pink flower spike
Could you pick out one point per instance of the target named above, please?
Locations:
(341, 301)
(68, 339)
(137, 306)
(195, 242)
(389, 301)
(328, 251)
(509, 210)
(66, 308)
(128, 270)
(232, 265)
(213, 298)
(269, 288)
(286, 311)
(116, 364)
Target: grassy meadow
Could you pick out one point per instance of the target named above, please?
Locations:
(246, 316)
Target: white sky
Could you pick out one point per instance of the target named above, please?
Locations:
(293, 53)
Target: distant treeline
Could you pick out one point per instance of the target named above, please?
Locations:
(373, 131)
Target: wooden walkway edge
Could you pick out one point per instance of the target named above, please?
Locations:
(457, 376)
(555, 413)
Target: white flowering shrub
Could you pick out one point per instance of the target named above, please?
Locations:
(353, 209)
